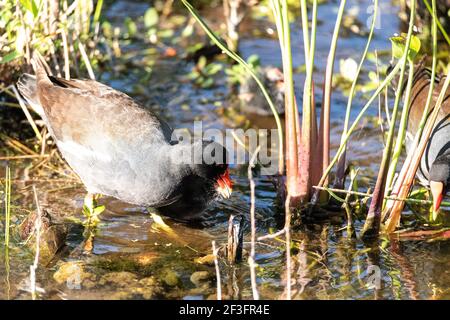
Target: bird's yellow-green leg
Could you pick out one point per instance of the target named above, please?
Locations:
(159, 224)
(91, 212)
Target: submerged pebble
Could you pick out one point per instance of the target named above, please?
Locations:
(208, 259)
(145, 258)
(73, 274)
(170, 278)
(198, 278)
(52, 236)
(131, 288)
(121, 279)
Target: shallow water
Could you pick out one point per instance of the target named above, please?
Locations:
(132, 258)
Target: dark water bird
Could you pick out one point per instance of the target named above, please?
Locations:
(434, 169)
(252, 98)
(119, 148)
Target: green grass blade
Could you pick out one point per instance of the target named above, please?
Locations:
(373, 219)
(327, 89)
(357, 119)
(7, 205)
(435, 18)
(98, 10)
(401, 130)
(358, 71)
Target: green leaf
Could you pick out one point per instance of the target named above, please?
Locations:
(151, 17)
(213, 68)
(415, 46)
(373, 77)
(74, 220)
(208, 83)
(99, 210)
(168, 33)
(107, 29)
(201, 63)
(131, 27)
(254, 60)
(10, 56)
(399, 44)
(98, 10)
(26, 4)
(335, 196)
(187, 31)
(31, 6)
(34, 8)
(86, 211)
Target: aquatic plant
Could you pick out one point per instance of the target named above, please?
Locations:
(7, 206)
(55, 28)
(203, 73)
(373, 219)
(306, 141)
(237, 74)
(403, 184)
(37, 232)
(91, 212)
(340, 172)
(435, 21)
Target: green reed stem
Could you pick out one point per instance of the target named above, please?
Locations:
(287, 58)
(358, 71)
(421, 127)
(276, 9)
(98, 11)
(436, 20)
(387, 150)
(304, 14)
(344, 141)
(401, 130)
(328, 87)
(309, 73)
(369, 195)
(433, 68)
(284, 36)
(373, 219)
(7, 205)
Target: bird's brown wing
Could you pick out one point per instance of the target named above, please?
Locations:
(438, 141)
(419, 95)
(77, 109)
(108, 139)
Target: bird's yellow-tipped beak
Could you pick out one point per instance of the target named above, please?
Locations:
(437, 191)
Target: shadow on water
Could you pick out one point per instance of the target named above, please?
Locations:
(133, 258)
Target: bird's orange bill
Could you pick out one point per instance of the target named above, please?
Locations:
(224, 185)
(437, 191)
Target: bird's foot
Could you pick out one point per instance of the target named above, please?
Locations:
(159, 225)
